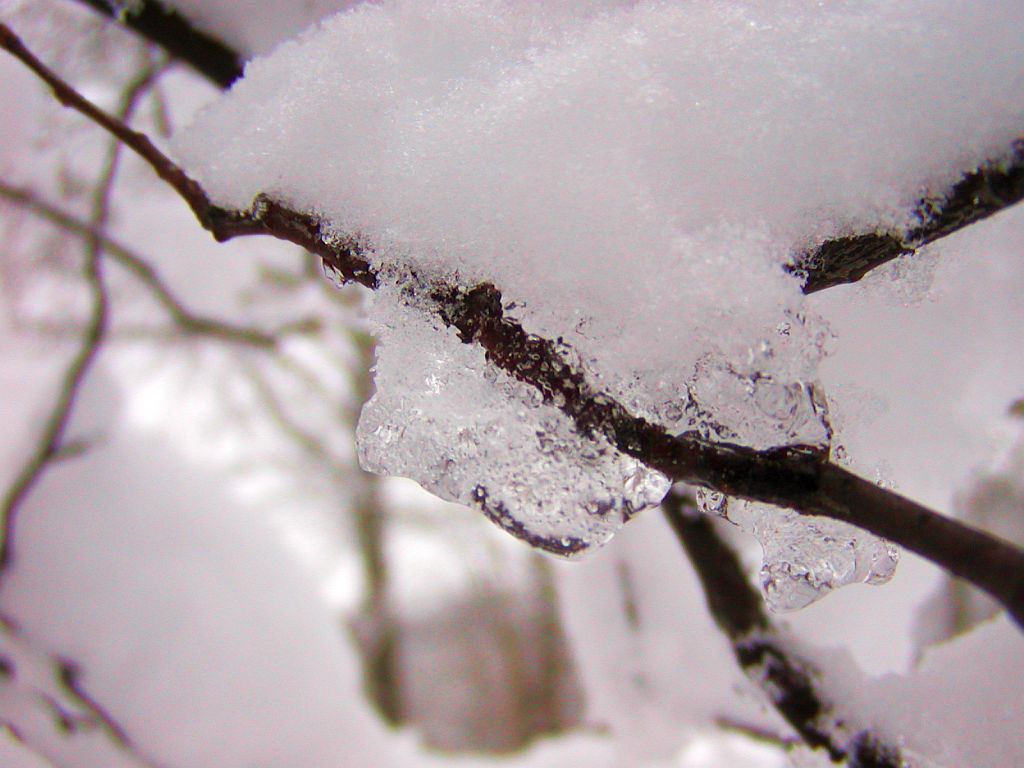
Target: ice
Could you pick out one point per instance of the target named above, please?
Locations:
(632, 177)
(806, 558)
(470, 433)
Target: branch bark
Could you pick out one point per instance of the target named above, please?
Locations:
(798, 477)
(978, 195)
(792, 682)
(174, 33)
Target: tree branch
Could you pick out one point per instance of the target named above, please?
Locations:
(798, 477)
(175, 34)
(55, 683)
(51, 440)
(791, 682)
(186, 321)
(978, 195)
(267, 217)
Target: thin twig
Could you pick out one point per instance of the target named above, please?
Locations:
(70, 678)
(73, 710)
(267, 217)
(186, 321)
(792, 683)
(52, 439)
(49, 444)
(795, 476)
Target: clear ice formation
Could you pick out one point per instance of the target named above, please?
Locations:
(805, 558)
(469, 433)
(767, 399)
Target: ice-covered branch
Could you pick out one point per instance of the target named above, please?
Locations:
(793, 683)
(796, 477)
(793, 476)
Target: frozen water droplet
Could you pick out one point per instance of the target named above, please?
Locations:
(643, 487)
(805, 558)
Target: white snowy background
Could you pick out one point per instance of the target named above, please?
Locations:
(195, 556)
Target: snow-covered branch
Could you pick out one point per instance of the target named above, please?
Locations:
(980, 193)
(793, 476)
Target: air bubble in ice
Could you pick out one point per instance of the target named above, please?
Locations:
(712, 502)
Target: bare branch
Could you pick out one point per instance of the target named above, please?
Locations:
(793, 683)
(70, 678)
(186, 321)
(50, 443)
(798, 477)
(56, 684)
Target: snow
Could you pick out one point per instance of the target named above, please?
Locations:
(954, 710)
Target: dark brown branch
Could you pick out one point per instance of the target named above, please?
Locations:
(976, 196)
(796, 476)
(176, 35)
(792, 683)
